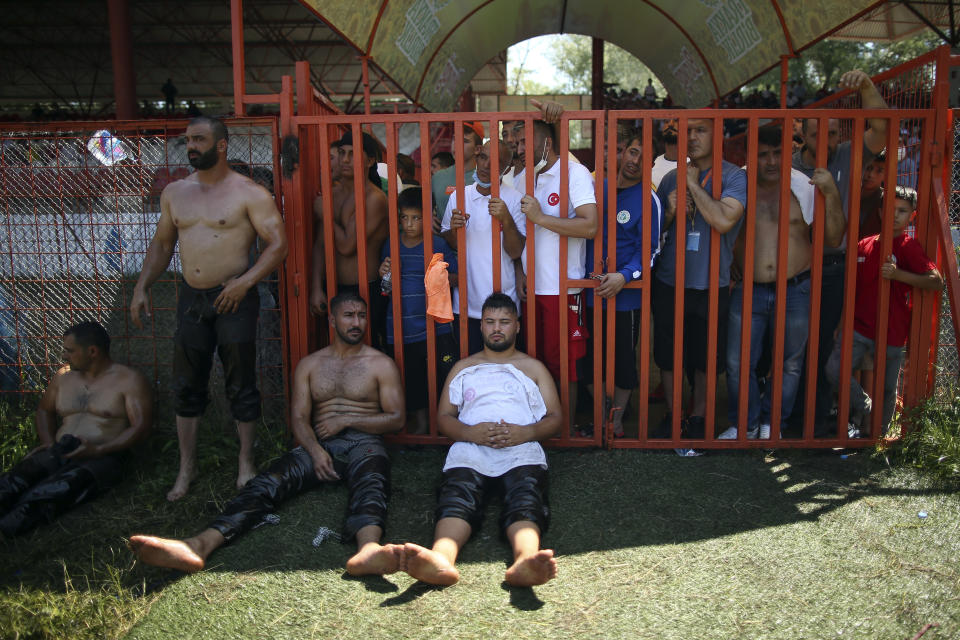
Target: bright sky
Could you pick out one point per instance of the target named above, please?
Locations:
(537, 63)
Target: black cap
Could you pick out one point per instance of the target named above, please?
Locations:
(370, 146)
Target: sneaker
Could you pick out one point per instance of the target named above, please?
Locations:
(694, 427)
(764, 432)
(729, 434)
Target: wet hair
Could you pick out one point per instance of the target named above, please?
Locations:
(771, 136)
(443, 157)
(90, 334)
(907, 194)
(410, 198)
(499, 301)
(217, 127)
(343, 298)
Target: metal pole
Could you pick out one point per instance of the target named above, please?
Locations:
(236, 36)
(121, 52)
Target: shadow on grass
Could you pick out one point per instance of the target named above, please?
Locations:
(522, 598)
(600, 501)
(411, 593)
(376, 584)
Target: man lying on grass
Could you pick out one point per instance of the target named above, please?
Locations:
(351, 394)
(497, 405)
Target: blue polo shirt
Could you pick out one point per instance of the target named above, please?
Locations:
(733, 184)
(633, 218)
(413, 295)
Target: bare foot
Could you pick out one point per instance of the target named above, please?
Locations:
(163, 552)
(533, 570)
(375, 559)
(181, 485)
(248, 471)
(427, 566)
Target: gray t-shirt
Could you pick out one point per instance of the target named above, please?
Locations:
(839, 167)
(697, 260)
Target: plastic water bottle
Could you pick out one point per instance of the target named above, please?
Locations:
(386, 284)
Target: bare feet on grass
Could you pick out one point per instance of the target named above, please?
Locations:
(375, 559)
(182, 484)
(427, 566)
(163, 552)
(532, 570)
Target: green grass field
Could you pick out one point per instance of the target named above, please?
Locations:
(788, 544)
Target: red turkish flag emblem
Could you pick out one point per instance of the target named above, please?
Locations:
(553, 199)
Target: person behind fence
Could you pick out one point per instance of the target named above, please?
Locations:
(216, 215)
(497, 406)
(639, 219)
(444, 182)
(103, 408)
(413, 301)
(344, 397)
(839, 164)
(871, 196)
(764, 292)
(907, 267)
(439, 161)
(701, 214)
(345, 232)
(578, 223)
(477, 217)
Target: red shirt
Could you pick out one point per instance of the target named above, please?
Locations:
(909, 256)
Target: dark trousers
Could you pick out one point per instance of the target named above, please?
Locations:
(44, 485)
(358, 458)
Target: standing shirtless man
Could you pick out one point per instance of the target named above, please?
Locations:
(344, 397)
(217, 215)
(763, 311)
(104, 408)
(345, 230)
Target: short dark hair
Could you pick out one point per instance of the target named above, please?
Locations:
(443, 157)
(410, 198)
(405, 164)
(907, 193)
(90, 334)
(771, 136)
(344, 297)
(499, 300)
(217, 127)
(547, 130)
(631, 135)
(880, 157)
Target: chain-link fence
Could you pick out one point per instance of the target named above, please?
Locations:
(948, 365)
(80, 205)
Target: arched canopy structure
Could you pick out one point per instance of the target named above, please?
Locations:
(700, 49)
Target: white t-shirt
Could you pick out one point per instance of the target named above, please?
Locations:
(547, 248)
(661, 167)
(490, 392)
(479, 247)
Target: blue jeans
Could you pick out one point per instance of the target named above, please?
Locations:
(859, 398)
(762, 322)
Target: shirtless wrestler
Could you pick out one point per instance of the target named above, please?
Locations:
(344, 397)
(799, 251)
(104, 408)
(345, 227)
(496, 405)
(217, 215)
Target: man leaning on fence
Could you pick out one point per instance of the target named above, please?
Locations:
(216, 215)
(104, 408)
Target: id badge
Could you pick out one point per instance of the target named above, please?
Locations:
(693, 241)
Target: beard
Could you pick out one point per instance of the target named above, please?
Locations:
(499, 346)
(350, 339)
(205, 160)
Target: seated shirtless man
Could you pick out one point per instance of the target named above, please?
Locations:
(104, 408)
(344, 397)
(497, 405)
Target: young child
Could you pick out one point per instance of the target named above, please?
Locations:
(907, 267)
(414, 305)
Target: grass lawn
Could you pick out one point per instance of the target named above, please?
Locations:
(790, 544)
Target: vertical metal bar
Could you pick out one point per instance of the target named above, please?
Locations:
(849, 289)
(746, 313)
(531, 244)
(495, 227)
(121, 54)
(680, 278)
(432, 391)
(713, 308)
(360, 213)
(365, 76)
(458, 127)
(326, 196)
(784, 77)
(645, 313)
(396, 278)
(239, 68)
(562, 302)
(606, 247)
